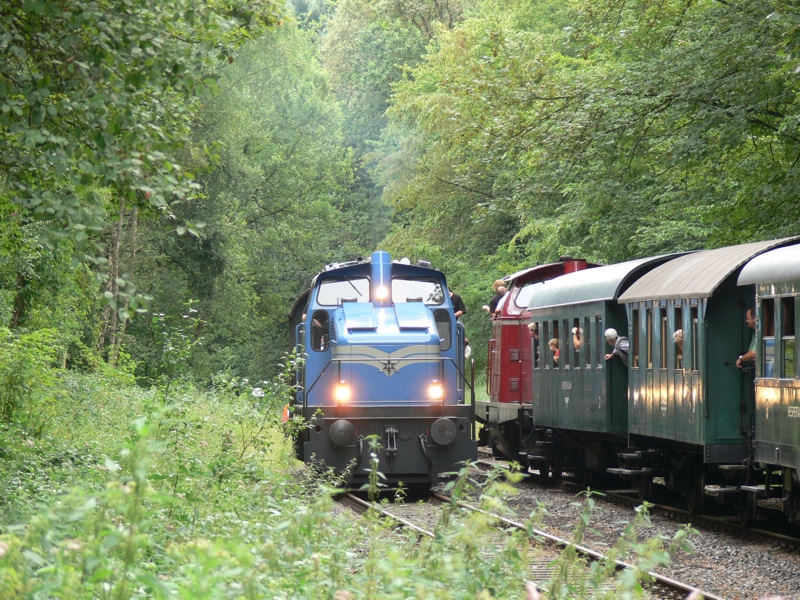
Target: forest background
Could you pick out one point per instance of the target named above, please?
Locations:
(174, 172)
(160, 158)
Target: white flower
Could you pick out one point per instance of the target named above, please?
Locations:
(258, 392)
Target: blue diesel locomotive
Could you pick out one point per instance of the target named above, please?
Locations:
(384, 372)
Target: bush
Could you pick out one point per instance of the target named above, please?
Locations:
(28, 378)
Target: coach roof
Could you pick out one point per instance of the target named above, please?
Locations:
(696, 275)
(781, 264)
(600, 283)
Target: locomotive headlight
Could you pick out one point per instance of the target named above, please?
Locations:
(342, 393)
(382, 293)
(435, 390)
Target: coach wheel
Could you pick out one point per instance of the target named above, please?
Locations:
(557, 467)
(644, 486)
(695, 489)
(747, 508)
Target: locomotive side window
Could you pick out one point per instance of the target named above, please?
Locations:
(335, 290)
(787, 329)
(566, 344)
(443, 325)
(320, 330)
(634, 339)
(768, 334)
(695, 346)
(678, 337)
(662, 363)
(406, 289)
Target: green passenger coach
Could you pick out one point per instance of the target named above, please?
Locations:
(689, 404)
(776, 448)
(579, 411)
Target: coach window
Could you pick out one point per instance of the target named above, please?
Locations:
(586, 341)
(633, 340)
(544, 350)
(599, 348)
(649, 331)
(678, 337)
(551, 354)
(768, 336)
(576, 340)
(320, 330)
(565, 345)
(662, 360)
(695, 345)
(787, 337)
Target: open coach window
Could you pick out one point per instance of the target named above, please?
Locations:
(427, 290)
(335, 290)
(787, 328)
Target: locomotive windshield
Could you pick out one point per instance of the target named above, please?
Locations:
(427, 290)
(526, 293)
(335, 290)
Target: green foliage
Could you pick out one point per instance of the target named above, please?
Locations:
(27, 380)
(97, 95)
(202, 499)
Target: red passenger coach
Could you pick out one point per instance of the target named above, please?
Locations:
(511, 356)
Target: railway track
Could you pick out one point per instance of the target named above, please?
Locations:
(720, 523)
(547, 552)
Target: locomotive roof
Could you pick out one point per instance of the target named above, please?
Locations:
(598, 284)
(781, 264)
(546, 267)
(696, 275)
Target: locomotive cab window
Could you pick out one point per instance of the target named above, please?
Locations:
(444, 328)
(788, 337)
(427, 290)
(523, 297)
(320, 330)
(335, 290)
(768, 334)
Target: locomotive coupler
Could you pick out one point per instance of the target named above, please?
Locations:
(391, 442)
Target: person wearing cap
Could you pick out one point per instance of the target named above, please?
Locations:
(621, 345)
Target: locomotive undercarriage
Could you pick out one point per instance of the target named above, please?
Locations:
(415, 445)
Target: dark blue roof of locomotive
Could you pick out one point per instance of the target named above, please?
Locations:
(781, 264)
(600, 283)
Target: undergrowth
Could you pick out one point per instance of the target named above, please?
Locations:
(126, 496)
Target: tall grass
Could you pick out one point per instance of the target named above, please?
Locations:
(128, 497)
